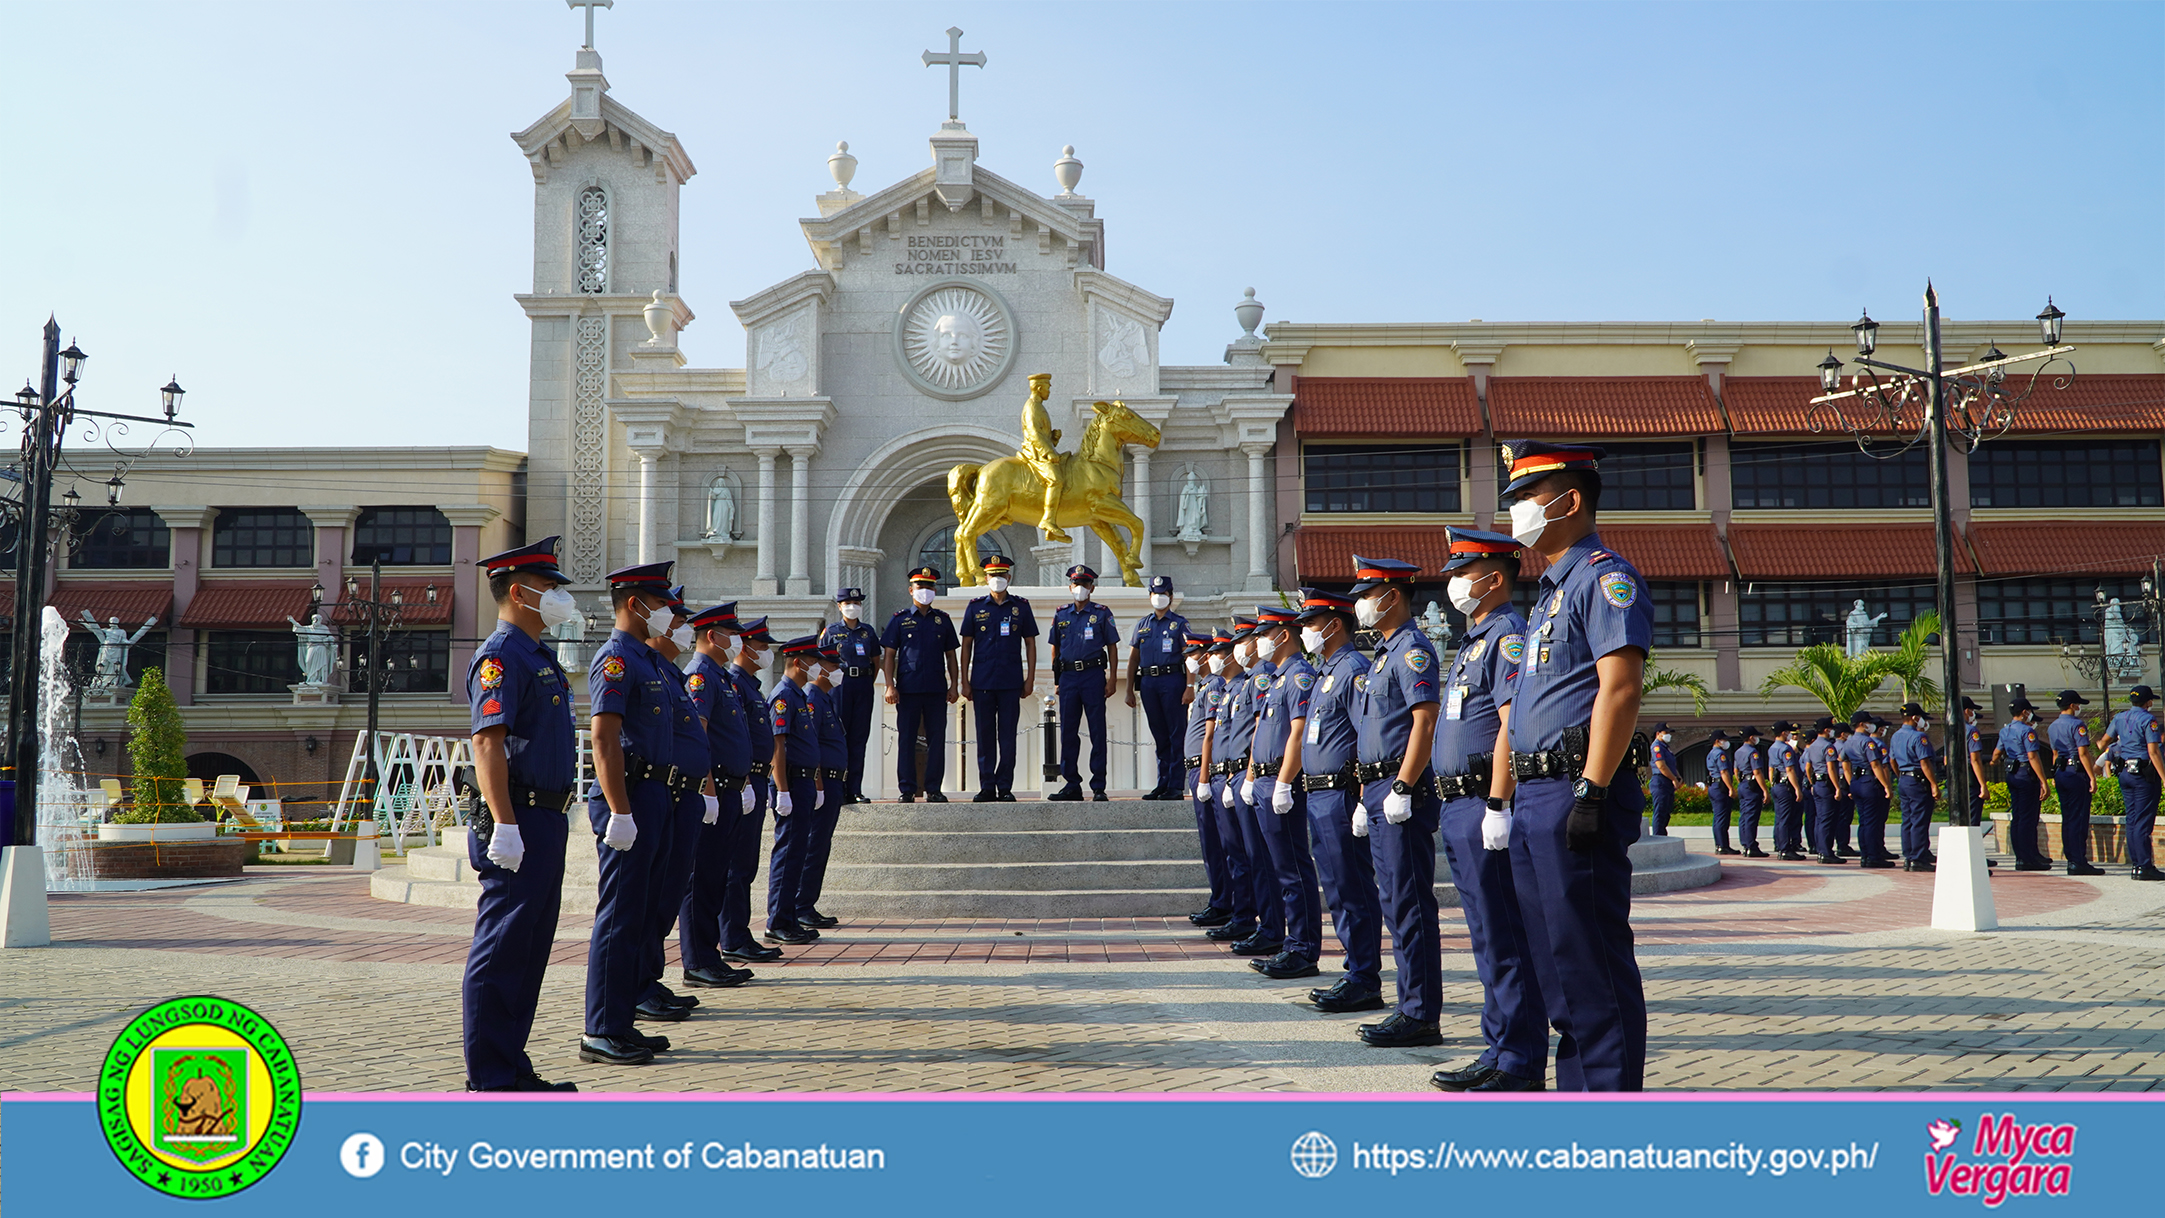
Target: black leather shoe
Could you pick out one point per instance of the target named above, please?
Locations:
(716, 978)
(1099, 797)
(1399, 1032)
(660, 1012)
(986, 796)
(819, 921)
(1067, 795)
(1007, 797)
(1876, 863)
(1754, 852)
(613, 1051)
(1256, 946)
(1833, 860)
(1461, 1078)
(2083, 869)
(1285, 966)
(1726, 850)
(668, 997)
(752, 953)
(1211, 917)
(1845, 852)
(937, 797)
(652, 1044)
(1790, 856)
(1919, 865)
(534, 1082)
(1231, 932)
(1343, 1001)
(2146, 873)
(2033, 866)
(1500, 1081)
(792, 934)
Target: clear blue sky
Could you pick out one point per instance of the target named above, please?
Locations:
(312, 212)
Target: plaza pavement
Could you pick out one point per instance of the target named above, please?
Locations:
(1783, 975)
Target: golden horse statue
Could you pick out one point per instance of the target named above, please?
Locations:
(1008, 490)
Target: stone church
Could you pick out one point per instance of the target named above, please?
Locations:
(902, 351)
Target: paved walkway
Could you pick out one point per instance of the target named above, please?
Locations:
(1781, 976)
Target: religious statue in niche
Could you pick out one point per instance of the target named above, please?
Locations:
(113, 645)
(317, 645)
(1858, 630)
(721, 511)
(2123, 650)
(1194, 518)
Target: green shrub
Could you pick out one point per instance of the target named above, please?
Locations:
(157, 745)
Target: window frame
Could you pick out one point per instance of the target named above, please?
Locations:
(220, 673)
(161, 545)
(1833, 461)
(2047, 628)
(356, 558)
(1878, 596)
(398, 646)
(229, 518)
(2006, 460)
(1450, 491)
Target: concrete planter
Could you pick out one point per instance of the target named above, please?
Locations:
(200, 831)
(165, 859)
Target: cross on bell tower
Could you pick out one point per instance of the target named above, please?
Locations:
(954, 59)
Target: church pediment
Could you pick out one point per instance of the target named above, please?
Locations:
(906, 203)
(563, 131)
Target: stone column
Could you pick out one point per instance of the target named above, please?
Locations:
(800, 519)
(648, 488)
(473, 613)
(1140, 504)
(1722, 595)
(763, 581)
(187, 527)
(333, 551)
(1481, 481)
(1258, 512)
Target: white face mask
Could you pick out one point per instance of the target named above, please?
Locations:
(997, 583)
(1529, 519)
(1081, 592)
(1266, 648)
(729, 647)
(922, 596)
(1311, 640)
(852, 611)
(1217, 665)
(1194, 666)
(1159, 600)
(1369, 610)
(1460, 590)
(682, 637)
(557, 607)
(1244, 653)
(658, 621)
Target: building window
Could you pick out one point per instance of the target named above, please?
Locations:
(593, 240)
(1649, 477)
(402, 537)
(1381, 477)
(1676, 611)
(1826, 476)
(250, 662)
(134, 538)
(938, 552)
(262, 537)
(2047, 611)
(414, 662)
(2075, 473)
(80, 655)
(1798, 615)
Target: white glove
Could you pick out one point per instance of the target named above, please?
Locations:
(1247, 791)
(506, 848)
(1397, 809)
(714, 809)
(1226, 796)
(751, 797)
(1496, 828)
(1281, 798)
(1360, 821)
(1202, 791)
(782, 805)
(621, 833)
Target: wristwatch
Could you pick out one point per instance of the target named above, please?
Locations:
(1399, 787)
(1495, 804)
(1583, 789)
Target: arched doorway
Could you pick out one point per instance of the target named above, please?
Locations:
(212, 766)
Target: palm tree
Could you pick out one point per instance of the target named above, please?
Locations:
(1839, 681)
(1907, 662)
(1670, 678)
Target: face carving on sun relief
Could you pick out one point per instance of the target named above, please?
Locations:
(955, 338)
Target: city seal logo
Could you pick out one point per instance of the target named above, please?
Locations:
(1513, 647)
(1619, 589)
(199, 1097)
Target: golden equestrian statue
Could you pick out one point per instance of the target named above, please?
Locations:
(1086, 485)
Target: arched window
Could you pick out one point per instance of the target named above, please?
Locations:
(939, 551)
(593, 240)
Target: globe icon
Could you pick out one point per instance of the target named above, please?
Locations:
(1314, 1155)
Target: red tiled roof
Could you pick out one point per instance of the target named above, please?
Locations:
(417, 611)
(2010, 547)
(246, 604)
(1568, 407)
(1835, 551)
(131, 603)
(1324, 553)
(1344, 407)
(1777, 404)
(2121, 402)
(1659, 551)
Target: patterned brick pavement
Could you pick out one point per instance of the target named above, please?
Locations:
(1782, 976)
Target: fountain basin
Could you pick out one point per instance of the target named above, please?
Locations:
(200, 831)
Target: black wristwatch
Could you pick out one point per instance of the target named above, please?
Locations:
(1495, 803)
(1583, 789)
(1399, 787)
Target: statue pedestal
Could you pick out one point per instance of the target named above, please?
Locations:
(1127, 604)
(314, 695)
(1053, 560)
(109, 696)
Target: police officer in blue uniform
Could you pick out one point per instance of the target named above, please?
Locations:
(1227, 744)
(1845, 803)
(1328, 725)
(2074, 780)
(753, 643)
(1821, 770)
(2133, 744)
(999, 670)
(1661, 783)
(1721, 788)
(834, 772)
(718, 703)
(1476, 824)
(1272, 793)
(1158, 682)
(1215, 762)
(1577, 802)
(526, 768)
(636, 785)
(920, 669)
(1865, 770)
(2018, 758)
(859, 647)
(1399, 810)
(1202, 705)
(1786, 790)
(1085, 644)
(1751, 779)
(1973, 733)
(1916, 765)
(695, 802)
(798, 780)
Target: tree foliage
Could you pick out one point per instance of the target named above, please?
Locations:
(158, 747)
(1839, 681)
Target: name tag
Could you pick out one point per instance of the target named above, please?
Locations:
(1090, 632)
(1454, 705)
(1315, 729)
(1004, 625)
(860, 649)
(1165, 644)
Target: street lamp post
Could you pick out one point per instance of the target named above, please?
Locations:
(1971, 402)
(376, 615)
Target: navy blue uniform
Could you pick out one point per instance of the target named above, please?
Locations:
(1860, 751)
(751, 830)
(1229, 746)
(1660, 791)
(1908, 752)
(729, 739)
(1591, 604)
(1285, 838)
(996, 673)
(2024, 793)
(2133, 731)
(1405, 675)
(1217, 863)
(795, 834)
(2068, 735)
(1751, 770)
(1781, 769)
(859, 647)
(1820, 777)
(834, 764)
(1974, 734)
(1160, 682)
(1329, 741)
(690, 753)
(626, 680)
(1720, 764)
(514, 683)
(920, 637)
(1083, 638)
(1514, 1023)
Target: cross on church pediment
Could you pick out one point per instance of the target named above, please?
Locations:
(589, 6)
(954, 58)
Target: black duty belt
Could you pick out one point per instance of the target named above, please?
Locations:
(2138, 766)
(1568, 758)
(1159, 670)
(834, 775)
(1192, 763)
(1234, 766)
(803, 773)
(639, 769)
(1460, 786)
(760, 769)
(727, 783)
(1268, 767)
(1337, 780)
(1377, 771)
(855, 673)
(1065, 666)
(1912, 772)
(530, 797)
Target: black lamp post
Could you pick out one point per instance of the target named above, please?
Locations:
(376, 615)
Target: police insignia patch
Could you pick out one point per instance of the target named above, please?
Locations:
(695, 682)
(781, 707)
(1417, 660)
(1474, 649)
(612, 668)
(1619, 589)
(1304, 680)
(1262, 683)
(492, 707)
(492, 674)
(1513, 647)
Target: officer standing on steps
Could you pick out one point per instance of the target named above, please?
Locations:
(526, 766)
(729, 739)
(999, 670)
(2133, 745)
(1577, 803)
(1214, 764)
(2019, 758)
(1916, 765)
(1327, 725)
(921, 684)
(1661, 784)
(834, 774)
(753, 641)
(1202, 699)
(797, 783)
(1720, 788)
(1476, 824)
(1751, 778)
(859, 646)
(2074, 780)
(1227, 746)
(1399, 809)
(1156, 679)
(1273, 792)
(1085, 645)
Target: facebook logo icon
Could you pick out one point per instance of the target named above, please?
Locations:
(361, 1156)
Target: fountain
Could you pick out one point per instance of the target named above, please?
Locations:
(63, 834)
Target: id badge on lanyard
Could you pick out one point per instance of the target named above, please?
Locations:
(1454, 706)
(1004, 624)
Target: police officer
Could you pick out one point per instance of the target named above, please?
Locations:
(1202, 699)
(1783, 790)
(1475, 824)
(1272, 793)
(1244, 867)
(1916, 765)
(2074, 780)
(1156, 679)
(1228, 744)
(1661, 783)
(2132, 744)
(1864, 770)
(526, 766)
(1578, 799)
(1721, 788)
(1751, 780)
(1085, 645)
(2019, 757)
(859, 646)
(753, 642)
(636, 786)
(798, 781)
(1973, 733)
(722, 708)
(1399, 809)
(1845, 803)
(1821, 771)
(999, 670)
(1327, 724)
(696, 805)
(919, 663)
(834, 774)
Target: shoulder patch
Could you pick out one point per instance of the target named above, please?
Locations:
(1262, 682)
(781, 706)
(1513, 647)
(1305, 680)
(492, 673)
(492, 707)
(1417, 659)
(695, 682)
(612, 669)
(1619, 589)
